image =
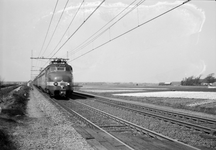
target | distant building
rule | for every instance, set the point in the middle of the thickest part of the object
(212, 85)
(205, 84)
(165, 83)
(176, 83)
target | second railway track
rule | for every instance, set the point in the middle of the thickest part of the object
(129, 134)
(205, 125)
(197, 131)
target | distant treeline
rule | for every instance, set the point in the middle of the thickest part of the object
(7, 85)
(3, 85)
(198, 81)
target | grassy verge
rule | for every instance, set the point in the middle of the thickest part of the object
(13, 109)
(5, 141)
(4, 92)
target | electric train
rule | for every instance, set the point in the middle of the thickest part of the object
(56, 79)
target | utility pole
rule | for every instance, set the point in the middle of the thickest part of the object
(31, 64)
(67, 55)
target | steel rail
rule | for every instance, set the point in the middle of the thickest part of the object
(171, 113)
(175, 121)
(153, 134)
(70, 111)
(181, 115)
(138, 128)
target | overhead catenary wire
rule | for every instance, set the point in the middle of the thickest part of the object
(65, 31)
(56, 26)
(82, 44)
(79, 27)
(49, 26)
(68, 27)
(138, 26)
(86, 42)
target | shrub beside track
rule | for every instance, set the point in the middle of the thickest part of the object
(13, 108)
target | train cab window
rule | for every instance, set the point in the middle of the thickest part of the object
(61, 69)
(52, 69)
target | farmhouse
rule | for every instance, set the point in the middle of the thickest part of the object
(165, 83)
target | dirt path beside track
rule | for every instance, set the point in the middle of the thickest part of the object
(45, 127)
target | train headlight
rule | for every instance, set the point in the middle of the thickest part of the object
(56, 83)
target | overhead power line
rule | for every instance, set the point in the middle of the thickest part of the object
(86, 42)
(49, 26)
(56, 26)
(133, 29)
(68, 26)
(79, 27)
(105, 25)
(65, 30)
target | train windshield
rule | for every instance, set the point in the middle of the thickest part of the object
(60, 68)
(53, 69)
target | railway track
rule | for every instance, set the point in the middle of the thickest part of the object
(94, 135)
(204, 125)
(127, 134)
(123, 135)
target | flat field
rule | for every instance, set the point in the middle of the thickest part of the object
(195, 98)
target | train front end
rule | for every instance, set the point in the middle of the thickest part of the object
(60, 79)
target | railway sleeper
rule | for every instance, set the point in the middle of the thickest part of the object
(108, 126)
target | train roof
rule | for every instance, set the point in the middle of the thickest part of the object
(58, 61)
(55, 62)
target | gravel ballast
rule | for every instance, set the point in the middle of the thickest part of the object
(47, 128)
(168, 129)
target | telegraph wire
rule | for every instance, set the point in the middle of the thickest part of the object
(82, 45)
(90, 41)
(49, 26)
(56, 26)
(133, 29)
(80, 26)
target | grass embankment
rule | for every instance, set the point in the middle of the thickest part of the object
(5, 91)
(13, 107)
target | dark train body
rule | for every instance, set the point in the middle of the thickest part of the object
(56, 79)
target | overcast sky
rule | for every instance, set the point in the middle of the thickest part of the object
(177, 45)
